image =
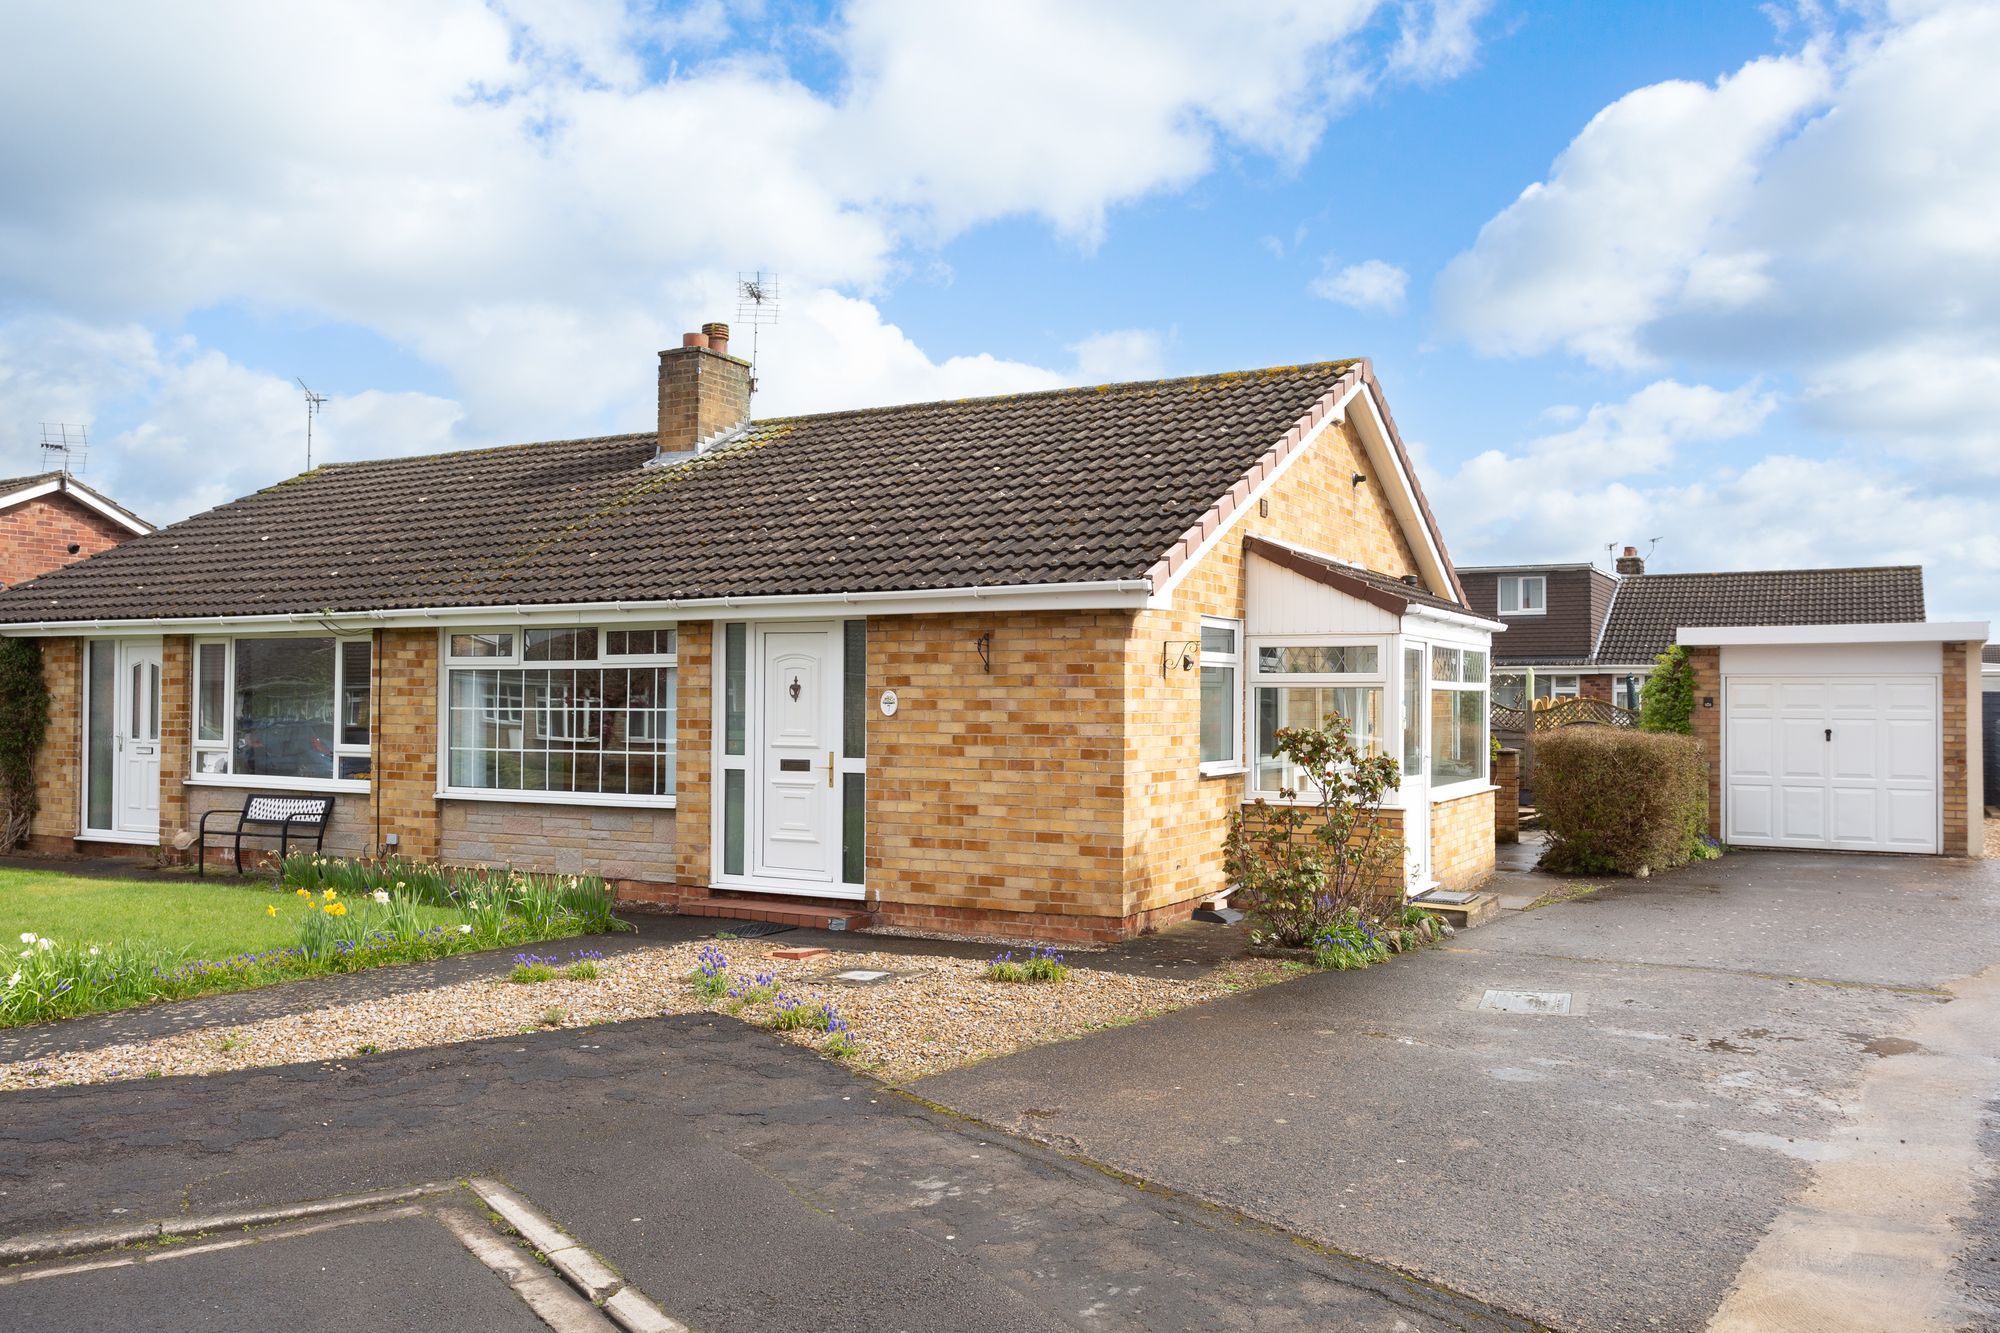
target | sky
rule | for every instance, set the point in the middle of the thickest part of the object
(1717, 280)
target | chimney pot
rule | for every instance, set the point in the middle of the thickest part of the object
(1630, 563)
(718, 337)
(693, 340)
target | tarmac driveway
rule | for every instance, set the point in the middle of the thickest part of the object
(1764, 1107)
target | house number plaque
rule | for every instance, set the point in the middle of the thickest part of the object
(888, 703)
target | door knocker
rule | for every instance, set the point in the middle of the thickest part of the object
(795, 689)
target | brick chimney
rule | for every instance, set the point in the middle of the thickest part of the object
(704, 391)
(1631, 563)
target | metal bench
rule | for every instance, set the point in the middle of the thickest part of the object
(289, 819)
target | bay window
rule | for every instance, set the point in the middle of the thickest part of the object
(1299, 684)
(291, 708)
(1459, 748)
(1221, 695)
(579, 710)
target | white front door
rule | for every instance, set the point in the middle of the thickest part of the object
(122, 740)
(1828, 761)
(1416, 794)
(797, 811)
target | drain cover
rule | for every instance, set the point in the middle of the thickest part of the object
(1526, 1001)
(753, 930)
(860, 976)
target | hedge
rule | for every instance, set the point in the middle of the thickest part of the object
(1618, 800)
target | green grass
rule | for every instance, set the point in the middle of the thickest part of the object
(213, 920)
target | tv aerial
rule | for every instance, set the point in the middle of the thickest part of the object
(756, 305)
(314, 402)
(65, 446)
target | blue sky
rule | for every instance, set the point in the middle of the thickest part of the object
(1717, 274)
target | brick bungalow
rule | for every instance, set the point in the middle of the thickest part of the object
(1002, 664)
(52, 519)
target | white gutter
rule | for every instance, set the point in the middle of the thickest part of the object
(1104, 594)
(1443, 616)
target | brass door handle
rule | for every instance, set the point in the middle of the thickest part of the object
(829, 768)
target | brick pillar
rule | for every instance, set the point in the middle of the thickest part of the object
(1596, 687)
(404, 744)
(59, 763)
(1957, 781)
(1707, 665)
(176, 739)
(1507, 801)
(694, 735)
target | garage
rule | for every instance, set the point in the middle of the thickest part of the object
(1841, 737)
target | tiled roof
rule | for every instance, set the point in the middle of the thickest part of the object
(1073, 485)
(1650, 608)
(8, 485)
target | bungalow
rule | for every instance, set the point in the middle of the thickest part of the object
(996, 665)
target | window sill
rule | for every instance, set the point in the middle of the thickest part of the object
(1461, 789)
(1224, 770)
(1509, 615)
(558, 798)
(264, 782)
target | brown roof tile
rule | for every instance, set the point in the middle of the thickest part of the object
(1650, 608)
(1073, 485)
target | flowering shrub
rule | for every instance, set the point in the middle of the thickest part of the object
(1348, 943)
(530, 968)
(1041, 964)
(711, 974)
(544, 905)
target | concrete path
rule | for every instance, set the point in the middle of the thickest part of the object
(743, 1183)
(1771, 1080)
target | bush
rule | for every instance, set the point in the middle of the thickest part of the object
(1666, 700)
(1040, 965)
(1620, 801)
(1304, 868)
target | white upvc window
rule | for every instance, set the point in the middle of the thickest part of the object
(1221, 695)
(1524, 594)
(1297, 681)
(1460, 752)
(1558, 687)
(291, 710)
(581, 712)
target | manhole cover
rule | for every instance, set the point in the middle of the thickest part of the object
(1526, 1001)
(861, 976)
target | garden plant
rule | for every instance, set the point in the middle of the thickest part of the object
(1319, 863)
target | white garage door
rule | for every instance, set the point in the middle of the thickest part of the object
(1831, 761)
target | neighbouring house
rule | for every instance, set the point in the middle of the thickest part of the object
(1989, 673)
(52, 519)
(1834, 714)
(1003, 665)
(1575, 631)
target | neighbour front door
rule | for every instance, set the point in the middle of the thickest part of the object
(122, 740)
(797, 813)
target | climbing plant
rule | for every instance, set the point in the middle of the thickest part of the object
(24, 721)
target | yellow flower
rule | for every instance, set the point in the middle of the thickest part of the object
(328, 894)
(304, 894)
(336, 909)
(311, 906)
(270, 911)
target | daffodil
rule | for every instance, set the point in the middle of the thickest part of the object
(27, 937)
(311, 906)
(305, 893)
(381, 895)
(270, 911)
(465, 930)
(94, 951)
(328, 894)
(45, 943)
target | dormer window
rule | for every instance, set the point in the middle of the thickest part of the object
(1524, 595)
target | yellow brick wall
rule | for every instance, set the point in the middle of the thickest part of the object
(1507, 800)
(1957, 778)
(403, 754)
(997, 791)
(1175, 819)
(1462, 854)
(693, 739)
(176, 723)
(1707, 667)
(59, 764)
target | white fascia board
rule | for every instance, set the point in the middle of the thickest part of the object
(1109, 594)
(1952, 631)
(1374, 435)
(1164, 596)
(1459, 619)
(83, 495)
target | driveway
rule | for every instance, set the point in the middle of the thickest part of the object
(740, 1182)
(1767, 1104)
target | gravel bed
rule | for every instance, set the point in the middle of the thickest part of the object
(1993, 835)
(932, 1013)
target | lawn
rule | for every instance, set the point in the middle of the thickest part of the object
(209, 920)
(76, 945)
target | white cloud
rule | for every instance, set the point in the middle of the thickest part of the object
(1665, 463)
(1373, 284)
(519, 195)
(1437, 40)
(1119, 354)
